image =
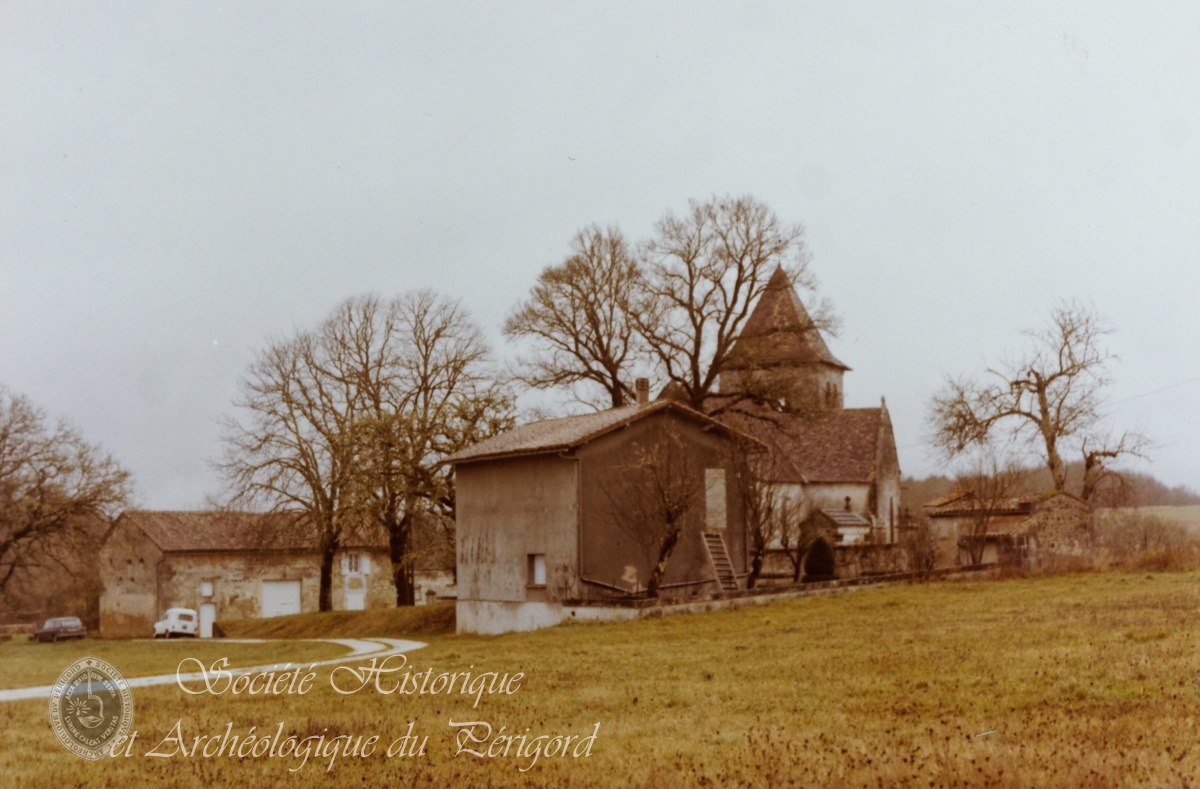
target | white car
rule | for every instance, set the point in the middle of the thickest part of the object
(177, 622)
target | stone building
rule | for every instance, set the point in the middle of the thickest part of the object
(1047, 528)
(787, 391)
(226, 565)
(568, 510)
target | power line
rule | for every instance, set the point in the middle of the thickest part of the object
(1166, 388)
(1157, 391)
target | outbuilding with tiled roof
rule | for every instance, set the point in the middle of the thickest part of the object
(228, 565)
(1052, 527)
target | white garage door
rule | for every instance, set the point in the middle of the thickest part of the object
(280, 598)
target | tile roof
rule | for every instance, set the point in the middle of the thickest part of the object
(225, 531)
(844, 518)
(964, 503)
(942, 501)
(555, 435)
(838, 445)
(779, 332)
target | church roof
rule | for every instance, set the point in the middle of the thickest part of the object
(837, 445)
(780, 332)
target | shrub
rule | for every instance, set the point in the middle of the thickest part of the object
(1141, 541)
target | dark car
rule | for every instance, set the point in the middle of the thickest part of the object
(60, 628)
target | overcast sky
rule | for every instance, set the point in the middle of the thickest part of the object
(179, 182)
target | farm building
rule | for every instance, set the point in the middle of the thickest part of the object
(232, 565)
(1031, 530)
(572, 509)
(534, 530)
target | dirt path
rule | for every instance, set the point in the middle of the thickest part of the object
(360, 649)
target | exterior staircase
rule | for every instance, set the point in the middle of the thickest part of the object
(722, 565)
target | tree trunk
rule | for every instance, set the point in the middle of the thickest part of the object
(1047, 425)
(398, 532)
(976, 546)
(660, 567)
(1054, 461)
(755, 570)
(1093, 471)
(325, 595)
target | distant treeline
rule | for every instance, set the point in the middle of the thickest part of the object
(1128, 489)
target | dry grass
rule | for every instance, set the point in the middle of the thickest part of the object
(1075, 680)
(25, 663)
(393, 622)
(1187, 516)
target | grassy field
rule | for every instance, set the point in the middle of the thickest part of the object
(25, 663)
(1081, 680)
(413, 622)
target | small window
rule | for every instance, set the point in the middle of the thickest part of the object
(206, 589)
(536, 571)
(352, 563)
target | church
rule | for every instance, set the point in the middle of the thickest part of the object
(839, 464)
(542, 536)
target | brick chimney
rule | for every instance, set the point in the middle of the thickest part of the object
(642, 385)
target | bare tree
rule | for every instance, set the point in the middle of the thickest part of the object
(54, 488)
(577, 319)
(437, 400)
(763, 507)
(759, 505)
(990, 483)
(289, 451)
(797, 533)
(919, 545)
(348, 424)
(703, 274)
(651, 497)
(1049, 398)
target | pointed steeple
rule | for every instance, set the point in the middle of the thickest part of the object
(780, 333)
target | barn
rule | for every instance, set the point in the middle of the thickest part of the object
(572, 510)
(226, 565)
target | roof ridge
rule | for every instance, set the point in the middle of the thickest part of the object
(549, 435)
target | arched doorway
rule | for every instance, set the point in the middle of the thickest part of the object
(819, 562)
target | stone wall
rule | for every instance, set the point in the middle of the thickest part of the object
(129, 565)
(1063, 528)
(887, 481)
(237, 578)
(857, 561)
(139, 582)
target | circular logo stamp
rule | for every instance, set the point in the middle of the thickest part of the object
(91, 708)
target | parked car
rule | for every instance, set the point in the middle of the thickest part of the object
(177, 622)
(60, 628)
